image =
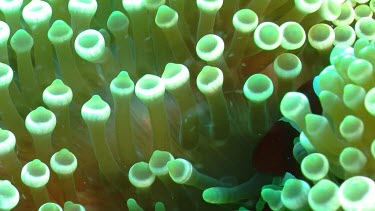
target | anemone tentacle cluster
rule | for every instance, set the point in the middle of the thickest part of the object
(165, 104)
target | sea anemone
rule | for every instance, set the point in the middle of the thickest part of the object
(174, 105)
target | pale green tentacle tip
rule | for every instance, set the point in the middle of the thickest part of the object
(95, 110)
(7, 142)
(287, 66)
(4, 32)
(90, 45)
(158, 162)
(211, 6)
(153, 4)
(352, 128)
(372, 148)
(210, 80)
(315, 166)
(356, 192)
(83, 7)
(40, 121)
(294, 103)
(370, 101)
(295, 193)
(352, 160)
(268, 36)
(60, 32)
(365, 28)
(50, 206)
(175, 75)
(133, 5)
(212, 196)
(133, 205)
(150, 88)
(372, 5)
(35, 174)
(140, 175)
(346, 16)
(245, 20)
(57, 95)
(122, 85)
(117, 22)
(258, 88)
(70, 206)
(324, 196)
(36, 12)
(273, 198)
(315, 124)
(21, 41)
(308, 6)
(159, 206)
(166, 17)
(10, 5)
(63, 162)
(180, 170)
(321, 36)
(6, 75)
(363, 11)
(9, 196)
(210, 47)
(293, 35)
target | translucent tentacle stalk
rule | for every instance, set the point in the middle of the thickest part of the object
(12, 12)
(150, 90)
(244, 21)
(4, 36)
(177, 81)
(162, 54)
(122, 89)
(118, 24)
(40, 123)
(8, 156)
(90, 46)
(22, 43)
(287, 67)
(295, 106)
(258, 88)
(141, 177)
(60, 34)
(81, 14)
(10, 115)
(95, 113)
(64, 163)
(37, 15)
(247, 190)
(208, 10)
(183, 172)
(140, 33)
(210, 82)
(167, 19)
(258, 6)
(58, 97)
